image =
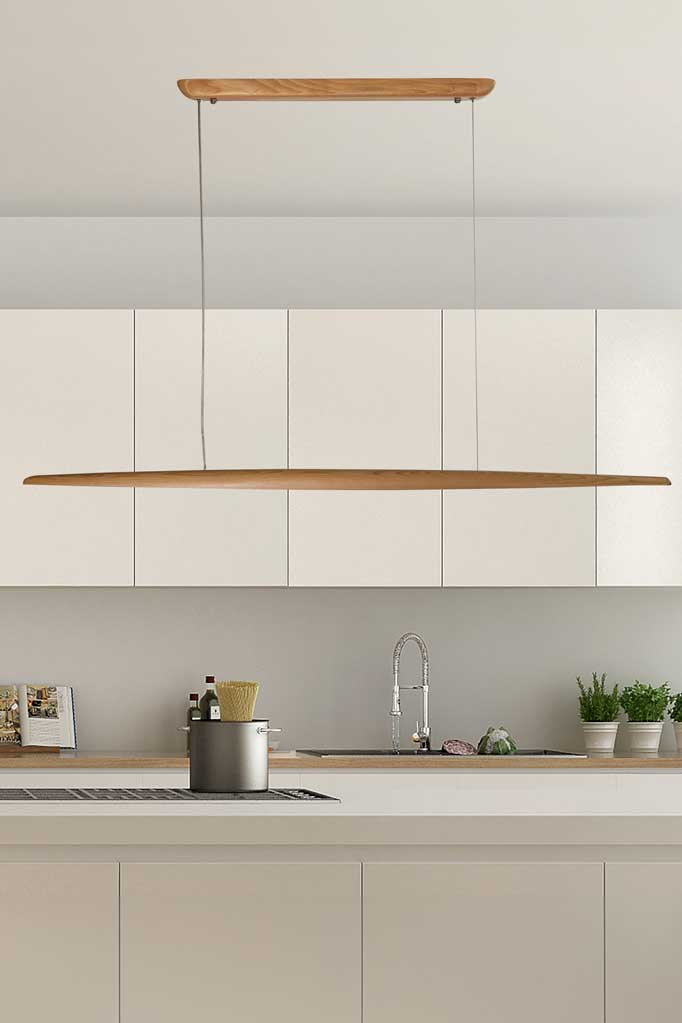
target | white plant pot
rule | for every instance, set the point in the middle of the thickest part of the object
(678, 735)
(645, 737)
(600, 737)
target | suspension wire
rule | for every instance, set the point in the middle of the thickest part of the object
(474, 267)
(203, 286)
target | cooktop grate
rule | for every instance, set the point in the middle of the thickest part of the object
(159, 795)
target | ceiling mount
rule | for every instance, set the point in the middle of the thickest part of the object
(231, 89)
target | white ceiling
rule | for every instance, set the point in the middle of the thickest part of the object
(585, 119)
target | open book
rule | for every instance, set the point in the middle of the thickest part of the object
(37, 715)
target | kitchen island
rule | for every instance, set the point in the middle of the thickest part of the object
(398, 901)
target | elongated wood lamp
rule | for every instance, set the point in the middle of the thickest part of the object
(330, 89)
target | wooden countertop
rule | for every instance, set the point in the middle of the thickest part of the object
(124, 761)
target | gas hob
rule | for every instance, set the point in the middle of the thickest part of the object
(160, 795)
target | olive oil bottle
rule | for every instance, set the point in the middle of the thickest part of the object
(208, 704)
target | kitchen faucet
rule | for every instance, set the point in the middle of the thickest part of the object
(422, 736)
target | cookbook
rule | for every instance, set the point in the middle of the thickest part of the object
(37, 714)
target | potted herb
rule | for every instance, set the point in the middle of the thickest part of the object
(599, 710)
(645, 706)
(676, 715)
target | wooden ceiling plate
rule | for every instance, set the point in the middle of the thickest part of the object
(335, 88)
(343, 479)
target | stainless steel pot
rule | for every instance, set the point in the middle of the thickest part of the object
(229, 756)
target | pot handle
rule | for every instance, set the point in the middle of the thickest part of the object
(182, 728)
(262, 730)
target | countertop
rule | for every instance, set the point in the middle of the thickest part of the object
(83, 759)
(104, 824)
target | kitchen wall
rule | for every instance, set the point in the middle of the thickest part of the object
(324, 656)
(337, 262)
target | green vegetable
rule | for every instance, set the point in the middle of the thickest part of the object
(596, 704)
(676, 707)
(496, 742)
(644, 702)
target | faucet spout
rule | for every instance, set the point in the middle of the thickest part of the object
(422, 736)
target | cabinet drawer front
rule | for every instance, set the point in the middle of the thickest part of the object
(515, 941)
(59, 941)
(252, 941)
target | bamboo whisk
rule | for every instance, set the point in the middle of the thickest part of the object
(237, 700)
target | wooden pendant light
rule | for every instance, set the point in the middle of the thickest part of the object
(330, 89)
(343, 479)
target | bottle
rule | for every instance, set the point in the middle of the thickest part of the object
(208, 704)
(193, 713)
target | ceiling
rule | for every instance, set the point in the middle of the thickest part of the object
(585, 119)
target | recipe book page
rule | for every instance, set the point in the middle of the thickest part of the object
(47, 716)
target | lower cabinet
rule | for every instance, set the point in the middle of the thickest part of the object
(241, 941)
(643, 941)
(341, 942)
(59, 942)
(520, 942)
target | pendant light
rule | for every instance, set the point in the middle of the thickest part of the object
(330, 89)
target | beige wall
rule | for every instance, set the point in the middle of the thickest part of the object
(341, 262)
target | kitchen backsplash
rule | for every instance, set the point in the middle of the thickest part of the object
(323, 656)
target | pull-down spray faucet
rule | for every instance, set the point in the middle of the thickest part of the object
(422, 737)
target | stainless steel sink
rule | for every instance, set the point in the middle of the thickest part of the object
(424, 753)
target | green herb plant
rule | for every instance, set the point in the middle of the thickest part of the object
(644, 702)
(595, 702)
(676, 707)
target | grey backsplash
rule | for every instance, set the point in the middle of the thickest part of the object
(323, 656)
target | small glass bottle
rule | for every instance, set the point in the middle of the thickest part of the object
(208, 704)
(193, 714)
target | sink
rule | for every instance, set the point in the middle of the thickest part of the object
(422, 754)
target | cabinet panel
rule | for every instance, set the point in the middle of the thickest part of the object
(365, 393)
(212, 537)
(256, 941)
(643, 936)
(360, 538)
(364, 388)
(639, 409)
(536, 392)
(66, 391)
(516, 941)
(59, 941)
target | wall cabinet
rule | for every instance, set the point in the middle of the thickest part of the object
(320, 388)
(525, 403)
(364, 392)
(252, 941)
(514, 941)
(643, 936)
(639, 430)
(59, 941)
(66, 390)
(210, 537)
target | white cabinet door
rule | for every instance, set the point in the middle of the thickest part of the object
(639, 431)
(520, 942)
(533, 380)
(241, 941)
(643, 937)
(65, 406)
(59, 942)
(211, 537)
(364, 390)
